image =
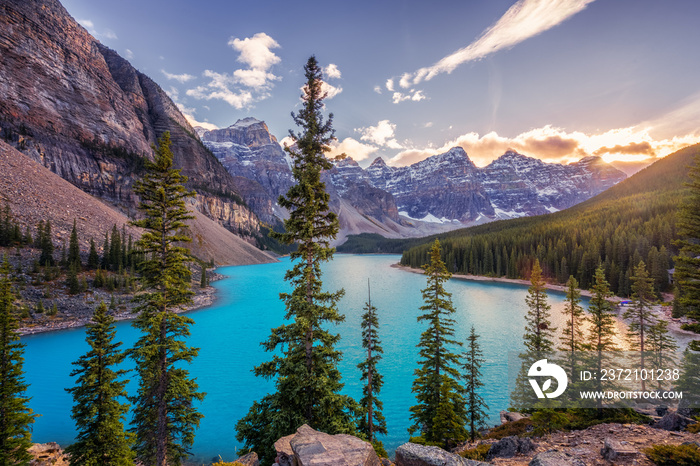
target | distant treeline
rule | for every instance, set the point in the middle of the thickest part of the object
(630, 222)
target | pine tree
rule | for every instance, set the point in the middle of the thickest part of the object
(372, 421)
(203, 279)
(74, 249)
(572, 338)
(47, 248)
(640, 314)
(602, 326)
(72, 282)
(15, 416)
(539, 334)
(435, 385)
(105, 253)
(164, 414)
(661, 347)
(687, 275)
(93, 259)
(97, 412)
(307, 379)
(475, 404)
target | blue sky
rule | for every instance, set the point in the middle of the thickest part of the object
(553, 79)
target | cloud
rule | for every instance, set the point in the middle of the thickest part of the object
(256, 51)
(382, 134)
(330, 90)
(244, 86)
(378, 89)
(631, 148)
(413, 95)
(89, 25)
(183, 78)
(352, 148)
(128, 54)
(188, 113)
(332, 72)
(390, 85)
(525, 19)
(551, 144)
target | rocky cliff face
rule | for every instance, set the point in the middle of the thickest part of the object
(84, 112)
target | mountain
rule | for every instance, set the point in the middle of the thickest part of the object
(630, 222)
(440, 193)
(79, 109)
(35, 193)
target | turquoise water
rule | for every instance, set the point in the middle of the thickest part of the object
(229, 335)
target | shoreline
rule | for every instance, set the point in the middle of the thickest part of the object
(203, 297)
(682, 337)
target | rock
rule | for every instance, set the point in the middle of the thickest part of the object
(285, 454)
(251, 459)
(386, 462)
(661, 410)
(46, 454)
(510, 416)
(614, 450)
(508, 447)
(412, 454)
(673, 421)
(309, 447)
(555, 458)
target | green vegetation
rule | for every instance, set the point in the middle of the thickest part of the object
(630, 222)
(307, 379)
(477, 453)
(539, 333)
(475, 404)
(372, 421)
(15, 416)
(674, 455)
(97, 412)
(687, 276)
(439, 416)
(164, 413)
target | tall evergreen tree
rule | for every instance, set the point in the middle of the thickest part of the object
(661, 347)
(539, 333)
(105, 252)
(97, 412)
(572, 340)
(687, 275)
(164, 413)
(640, 315)
(47, 247)
(372, 421)
(476, 406)
(436, 386)
(602, 326)
(307, 379)
(93, 258)
(15, 416)
(74, 249)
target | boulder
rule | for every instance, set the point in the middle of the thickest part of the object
(309, 447)
(508, 447)
(45, 454)
(510, 416)
(673, 421)
(412, 454)
(615, 451)
(251, 459)
(555, 458)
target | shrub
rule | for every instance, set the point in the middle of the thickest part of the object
(477, 454)
(521, 428)
(674, 455)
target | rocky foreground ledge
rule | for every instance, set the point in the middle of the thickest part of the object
(604, 444)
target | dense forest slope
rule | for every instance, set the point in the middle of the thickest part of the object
(632, 221)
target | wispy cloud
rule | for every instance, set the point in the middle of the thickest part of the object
(128, 54)
(183, 78)
(332, 72)
(352, 148)
(525, 19)
(413, 95)
(244, 86)
(89, 25)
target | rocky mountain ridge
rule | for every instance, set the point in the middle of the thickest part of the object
(88, 115)
(442, 192)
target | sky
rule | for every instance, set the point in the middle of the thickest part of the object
(554, 79)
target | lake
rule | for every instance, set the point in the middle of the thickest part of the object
(248, 306)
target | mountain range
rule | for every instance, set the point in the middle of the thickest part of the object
(443, 192)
